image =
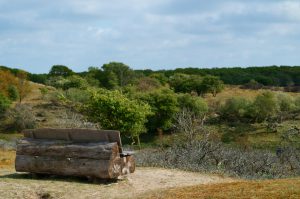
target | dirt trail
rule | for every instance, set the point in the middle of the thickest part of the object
(14, 185)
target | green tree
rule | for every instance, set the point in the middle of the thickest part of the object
(160, 77)
(117, 74)
(60, 70)
(75, 81)
(164, 105)
(212, 84)
(113, 110)
(186, 83)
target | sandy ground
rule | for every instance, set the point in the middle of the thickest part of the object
(13, 185)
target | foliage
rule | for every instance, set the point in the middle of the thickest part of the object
(116, 74)
(196, 105)
(44, 91)
(212, 84)
(66, 83)
(74, 81)
(265, 106)
(60, 70)
(252, 84)
(113, 110)
(13, 92)
(4, 104)
(186, 83)
(160, 77)
(38, 78)
(163, 104)
(285, 102)
(146, 84)
(297, 103)
(235, 109)
(77, 95)
(7, 79)
(268, 75)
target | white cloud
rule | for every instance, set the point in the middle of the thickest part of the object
(165, 33)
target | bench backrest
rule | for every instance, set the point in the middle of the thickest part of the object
(75, 135)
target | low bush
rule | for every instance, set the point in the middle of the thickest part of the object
(19, 118)
(4, 104)
(210, 156)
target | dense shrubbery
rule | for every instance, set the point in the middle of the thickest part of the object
(195, 83)
(267, 106)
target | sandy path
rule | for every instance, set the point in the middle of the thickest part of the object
(143, 180)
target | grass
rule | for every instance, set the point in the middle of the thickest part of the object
(275, 189)
(235, 91)
(10, 136)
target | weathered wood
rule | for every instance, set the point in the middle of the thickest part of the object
(75, 135)
(104, 151)
(73, 152)
(107, 169)
(128, 165)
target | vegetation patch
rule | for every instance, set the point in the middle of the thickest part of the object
(269, 189)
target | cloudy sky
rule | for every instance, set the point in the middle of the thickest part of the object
(156, 34)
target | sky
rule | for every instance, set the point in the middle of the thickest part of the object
(148, 34)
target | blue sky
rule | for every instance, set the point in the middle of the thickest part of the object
(156, 34)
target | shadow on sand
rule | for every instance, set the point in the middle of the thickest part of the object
(47, 177)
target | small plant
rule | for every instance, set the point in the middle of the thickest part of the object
(44, 91)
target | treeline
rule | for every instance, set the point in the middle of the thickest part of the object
(266, 76)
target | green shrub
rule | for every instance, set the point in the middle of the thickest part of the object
(265, 106)
(75, 81)
(235, 109)
(297, 103)
(286, 102)
(76, 95)
(4, 104)
(13, 93)
(195, 104)
(44, 91)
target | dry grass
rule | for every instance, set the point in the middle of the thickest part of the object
(270, 189)
(235, 91)
(7, 159)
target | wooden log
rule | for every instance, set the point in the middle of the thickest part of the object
(106, 169)
(52, 148)
(76, 135)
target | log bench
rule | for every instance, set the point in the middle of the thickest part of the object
(73, 152)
